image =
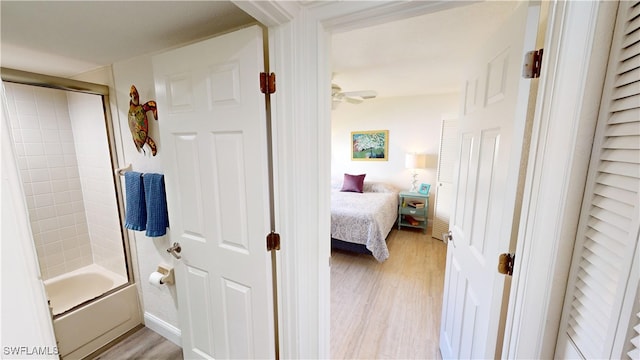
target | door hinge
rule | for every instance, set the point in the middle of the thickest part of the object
(273, 241)
(532, 64)
(267, 83)
(505, 263)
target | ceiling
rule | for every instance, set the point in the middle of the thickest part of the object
(420, 55)
(66, 38)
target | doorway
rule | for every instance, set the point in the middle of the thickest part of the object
(412, 112)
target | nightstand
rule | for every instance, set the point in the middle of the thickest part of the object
(413, 209)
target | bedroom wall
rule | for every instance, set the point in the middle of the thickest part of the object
(414, 126)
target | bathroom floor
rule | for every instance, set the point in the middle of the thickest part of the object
(144, 344)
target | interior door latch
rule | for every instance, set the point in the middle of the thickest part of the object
(505, 263)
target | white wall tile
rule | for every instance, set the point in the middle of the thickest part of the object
(26, 108)
(42, 187)
(36, 162)
(50, 136)
(31, 136)
(46, 212)
(31, 149)
(43, 200)
(38, 175)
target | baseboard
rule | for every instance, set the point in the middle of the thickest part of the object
(163, 328)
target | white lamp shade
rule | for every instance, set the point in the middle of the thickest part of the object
(411, 161)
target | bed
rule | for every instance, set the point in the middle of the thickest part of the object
(361, 221)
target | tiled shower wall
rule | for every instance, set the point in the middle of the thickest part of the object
(63, 155)
(96, 177)
(46, 156)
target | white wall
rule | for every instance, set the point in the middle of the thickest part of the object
(160, 303)
(414, 126)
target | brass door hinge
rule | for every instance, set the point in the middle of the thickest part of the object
(267, 83)
(273, 241)
(532, 64)
(505, 263)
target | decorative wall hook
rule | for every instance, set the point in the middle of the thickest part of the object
(138, 121)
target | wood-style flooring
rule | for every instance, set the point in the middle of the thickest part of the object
(388, 310)
(144, 344)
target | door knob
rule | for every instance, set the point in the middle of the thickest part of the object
(175, 250)
(448, 237)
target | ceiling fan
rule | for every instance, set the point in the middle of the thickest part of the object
(353, 97)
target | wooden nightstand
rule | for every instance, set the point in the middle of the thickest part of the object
(410, 216)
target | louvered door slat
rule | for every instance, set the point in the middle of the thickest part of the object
(629, 64)
(627, 183)
(626, 103)
(616, 194)
(625, 129)
(629, 89)
(592, 320)
(635, 340)
(614, 206)
(631, 51)
(633, 13)
(580, 336)
(628, 116)
(611, 218)
(622, 142)
(596, 244)
(628, 77)
(627, 156)
(603, 240)
(589, 321)
(605, 269)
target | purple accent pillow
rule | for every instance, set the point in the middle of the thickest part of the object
(353, 183)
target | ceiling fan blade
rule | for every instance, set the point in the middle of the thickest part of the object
(353, 100)
(365, 94)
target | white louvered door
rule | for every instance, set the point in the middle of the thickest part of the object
(600, 312)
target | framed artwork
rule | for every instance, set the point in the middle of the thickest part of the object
(370, 145)
(424, 188)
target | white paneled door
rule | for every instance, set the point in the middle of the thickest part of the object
(446, 164)
(213, 143)
(490, 140)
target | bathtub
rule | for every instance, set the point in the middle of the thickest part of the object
(85, 320)
(79, 286)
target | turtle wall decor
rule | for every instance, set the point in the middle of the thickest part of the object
(138, 121)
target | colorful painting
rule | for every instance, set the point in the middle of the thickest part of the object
(370, 145)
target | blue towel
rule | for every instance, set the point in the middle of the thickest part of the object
(136, 217)
(157, 217)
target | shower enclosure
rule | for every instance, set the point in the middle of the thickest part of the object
(64, 146)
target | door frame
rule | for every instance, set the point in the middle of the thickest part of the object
(574, 65)
(299, 43)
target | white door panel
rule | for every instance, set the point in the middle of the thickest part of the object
(444, 193)
(213, 132)
(490, 144)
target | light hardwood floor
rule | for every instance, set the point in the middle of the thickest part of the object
(144, 344)
(388, 310)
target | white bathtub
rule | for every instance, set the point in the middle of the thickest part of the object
(89, 327)
(81, 285)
